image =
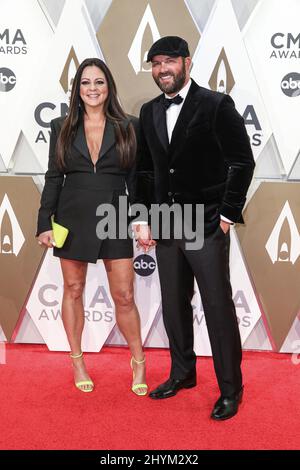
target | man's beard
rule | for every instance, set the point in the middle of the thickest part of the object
(176, 85)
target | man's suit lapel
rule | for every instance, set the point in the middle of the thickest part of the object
(160, 124)
(107, 142)
(186, 115)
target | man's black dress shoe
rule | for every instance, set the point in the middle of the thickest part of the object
(171, 387)
(226, 407)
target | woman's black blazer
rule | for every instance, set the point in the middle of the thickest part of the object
(74, 194)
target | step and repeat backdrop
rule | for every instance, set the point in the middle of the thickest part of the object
(249, 49)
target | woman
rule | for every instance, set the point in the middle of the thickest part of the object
(92, 161)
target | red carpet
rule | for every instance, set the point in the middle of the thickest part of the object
(41, 409)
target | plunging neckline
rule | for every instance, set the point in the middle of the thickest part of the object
(101, 144)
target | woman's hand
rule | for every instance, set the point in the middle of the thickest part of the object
(46, 239)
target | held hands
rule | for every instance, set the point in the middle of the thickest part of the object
(46, 239)
(225, 226)
(142, 234)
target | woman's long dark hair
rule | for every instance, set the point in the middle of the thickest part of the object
(125, 136)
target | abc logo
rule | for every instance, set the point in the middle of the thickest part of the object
(144, 265)
(290, 84)
(7, 79)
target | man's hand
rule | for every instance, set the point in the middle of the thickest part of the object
(142, 234)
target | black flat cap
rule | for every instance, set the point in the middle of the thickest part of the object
(172, 46)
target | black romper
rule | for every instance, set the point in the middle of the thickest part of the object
(74, 194)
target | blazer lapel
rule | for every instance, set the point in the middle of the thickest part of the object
(80, 141)
(160, 123)
(186, 115)
(109, 138)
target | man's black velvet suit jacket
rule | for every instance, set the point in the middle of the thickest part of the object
(209, 159)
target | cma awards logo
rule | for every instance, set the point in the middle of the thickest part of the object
(146, 34)
(144, 265)
(12, 42)
(222, 80)
(47, 108)
(285, 46)
(283, 245)
(11, 235)
(69, 71)
(99, 308)
(243, 310)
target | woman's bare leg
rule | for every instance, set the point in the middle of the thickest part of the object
(120, 277)
(74, 274)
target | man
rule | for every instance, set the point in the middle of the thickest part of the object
(194, 149)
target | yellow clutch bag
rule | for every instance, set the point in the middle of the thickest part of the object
(60, 233)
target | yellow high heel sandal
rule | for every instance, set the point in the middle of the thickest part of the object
(82, 383)
(135, 387)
